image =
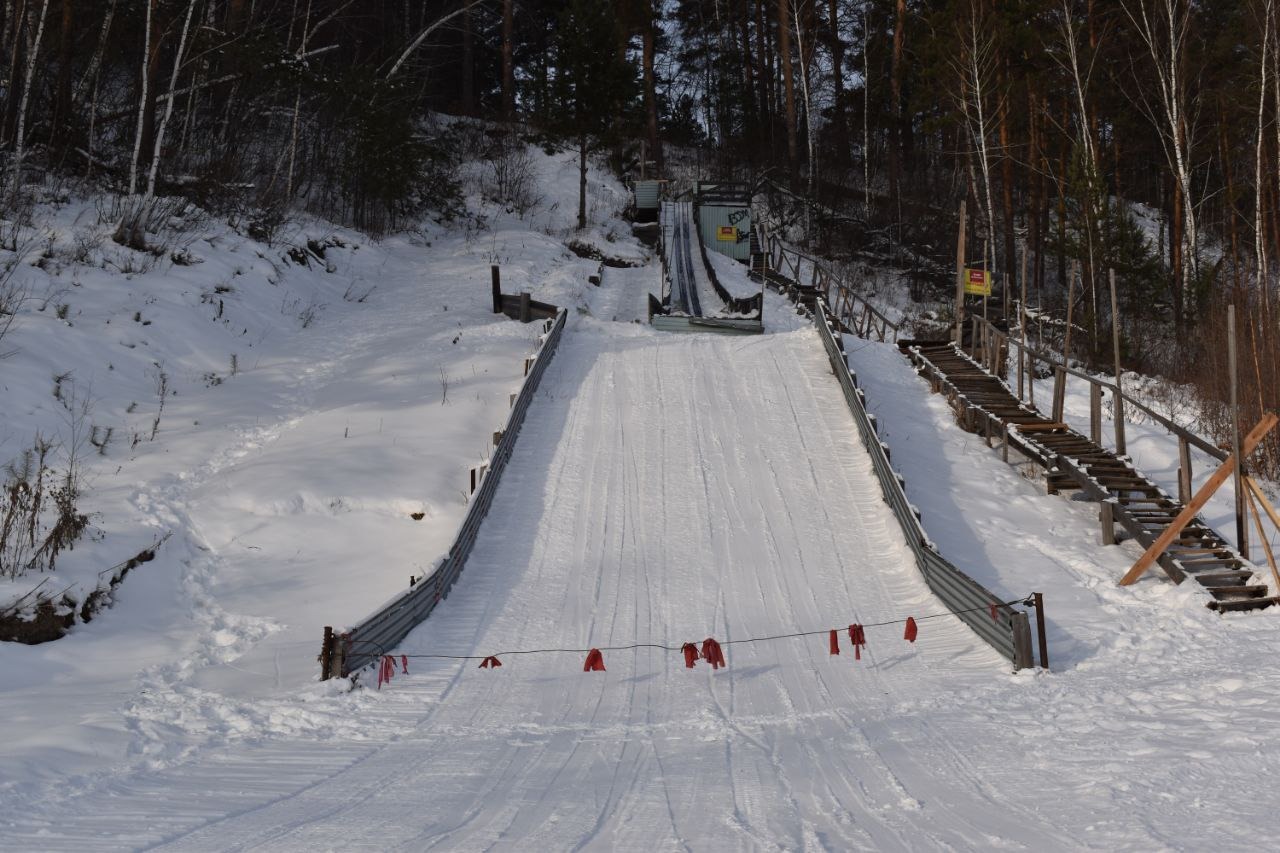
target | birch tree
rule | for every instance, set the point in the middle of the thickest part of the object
(1163, 27)
(33, 53)
(168, 107)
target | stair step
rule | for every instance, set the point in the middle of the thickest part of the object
(1237, 593)
(1243, 604)
(1232, 578)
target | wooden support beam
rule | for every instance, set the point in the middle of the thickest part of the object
(1224, 472)
(1262, 500)
(1263, 541)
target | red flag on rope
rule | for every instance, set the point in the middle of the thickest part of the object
(835, 642)
(386, 670)
(910, 634)
(712, 653)
(491, 662)
(594, 662)
(858, 638)
(404, 664)
(995, 615)
(690, 655)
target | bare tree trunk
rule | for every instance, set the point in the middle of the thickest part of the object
(764, 79)
(143, 94)
(168, 106)
(895, 107)
(1164, 27)
(808, 117)
(468, 66)
(508, 69)
(839, 124)
(650, 88)
(784, 57)
(582, 181)
(20, 135)
(1259, 241)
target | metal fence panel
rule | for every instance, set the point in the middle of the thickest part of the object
(380, 632)
(1008, 633)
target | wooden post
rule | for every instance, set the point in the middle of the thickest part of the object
(1004, 437)
(1071, 305)
(1040, 631)
(1118, 414)
(1242, 526)
(1266, 546)
(1022, 323)
(1225, 470)
(1107, 517)
(1184, 470)
(338, 656)
(497, 288)
(524, 308)
(1262, 499)
(326, 654)
(1095, 413)
(1059, 392)
(960, 276)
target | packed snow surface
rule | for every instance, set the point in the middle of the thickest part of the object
(664, 488)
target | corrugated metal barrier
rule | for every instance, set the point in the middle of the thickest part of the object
(360, 646)
(1009, 632)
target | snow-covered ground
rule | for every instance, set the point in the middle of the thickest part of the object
(664, 488)
(289, 486)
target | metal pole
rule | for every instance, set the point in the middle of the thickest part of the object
(1040, 632)
(1115, 347)
(960, 277)
(1242, 526)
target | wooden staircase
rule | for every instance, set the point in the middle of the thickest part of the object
(1071, 461)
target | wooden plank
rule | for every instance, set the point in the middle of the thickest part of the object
(1043, 427)
(1197, 503)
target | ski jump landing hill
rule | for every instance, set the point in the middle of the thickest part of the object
(681, 370)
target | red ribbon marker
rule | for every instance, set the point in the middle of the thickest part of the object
(712, 653)
(386, 670)
(858, 638)
(690, 655)
(995, 616)
(404, 664)
(594, 662)
(910, 634)
(490, 662)
(835, 642)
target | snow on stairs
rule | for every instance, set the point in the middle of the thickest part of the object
(984, 404)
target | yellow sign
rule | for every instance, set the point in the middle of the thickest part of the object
(977, 282)
(727, 234)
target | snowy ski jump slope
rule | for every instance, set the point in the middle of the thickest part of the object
(670, 487)
(665, 488)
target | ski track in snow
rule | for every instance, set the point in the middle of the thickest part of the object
(667, 487)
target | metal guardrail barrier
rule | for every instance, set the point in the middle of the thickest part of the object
(362, 645)
(1009, 632)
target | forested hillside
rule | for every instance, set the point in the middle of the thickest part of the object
(1136, 135)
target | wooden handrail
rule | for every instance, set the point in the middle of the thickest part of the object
(783, 251)
(1178, 430)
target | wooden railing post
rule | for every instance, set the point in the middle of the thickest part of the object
(1095, 413)
(1118, 416)
(1059, 392)
(497, 288)
(1107, 517)
(1184, 470)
